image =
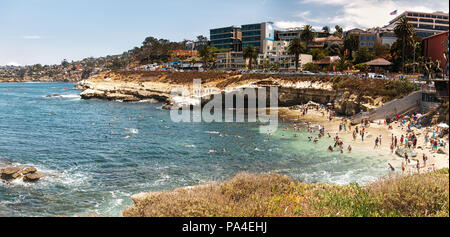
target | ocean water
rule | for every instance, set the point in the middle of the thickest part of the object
(105, 151)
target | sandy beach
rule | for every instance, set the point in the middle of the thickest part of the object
(321, 117)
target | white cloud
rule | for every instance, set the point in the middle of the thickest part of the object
(32, 37)
(365, 13)
(289, 24)
(294, 24)
(16, 64)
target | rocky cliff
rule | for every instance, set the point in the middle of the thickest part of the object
(138, 86)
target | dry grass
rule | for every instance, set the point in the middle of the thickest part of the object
(249, 195)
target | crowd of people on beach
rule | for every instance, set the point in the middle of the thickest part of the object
(403, 145)
(408, 141)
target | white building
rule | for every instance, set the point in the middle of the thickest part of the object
(278, 55)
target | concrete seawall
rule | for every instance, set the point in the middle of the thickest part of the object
(398, 106)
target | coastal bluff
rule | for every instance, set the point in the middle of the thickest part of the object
(349, 95)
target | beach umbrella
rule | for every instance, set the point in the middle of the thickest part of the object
(443, 125)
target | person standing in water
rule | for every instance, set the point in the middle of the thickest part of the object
(391, 167)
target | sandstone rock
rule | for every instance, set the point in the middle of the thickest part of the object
(9, 173)
(10, 170)
(167, 107)
(90, 93)
(122, 97)
(378, 101)
(440, 151)
(53, 95)
(16, 175)
(33, 177)
(30, 170)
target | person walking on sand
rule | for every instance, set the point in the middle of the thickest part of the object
(381, 138)
(392, 148)
(418, 167)
(376, 142)
(406, 158)
(425, 158)
(403, 167)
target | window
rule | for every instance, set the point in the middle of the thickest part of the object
(362, 37)
(251, 27)
(426, 20)
(363, 44)
(425, 26)
(221, 36)
(442, 22)
(370, 44)
(441, 27)
(257, 38)
(251, 33)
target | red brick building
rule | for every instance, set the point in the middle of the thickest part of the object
(435, 46)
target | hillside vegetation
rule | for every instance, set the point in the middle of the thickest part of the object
(248, 195)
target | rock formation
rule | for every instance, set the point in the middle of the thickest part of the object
(16, 172)
(138, 86)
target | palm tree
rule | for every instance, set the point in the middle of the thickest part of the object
(403, 30)
(193, 61)
(342, 64)
(205, 55)
(351, 43)
(326, 29)
(251, 54)
(296, 47)
(339, 31)
(307, 34)
(285, 62)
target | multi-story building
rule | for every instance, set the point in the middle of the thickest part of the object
(278, 54)
(387, 37)
(325, 41)
(425, 24)
(228, 38)
(436, 47)
(384, 35)
(288, 34)
(260, 36)
(230, 60)
(183, 53)
(367, 39)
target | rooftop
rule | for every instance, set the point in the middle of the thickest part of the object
(379, 62)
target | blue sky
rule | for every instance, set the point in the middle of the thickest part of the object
(48, 31)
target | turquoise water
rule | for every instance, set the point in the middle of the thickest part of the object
(105, 151)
